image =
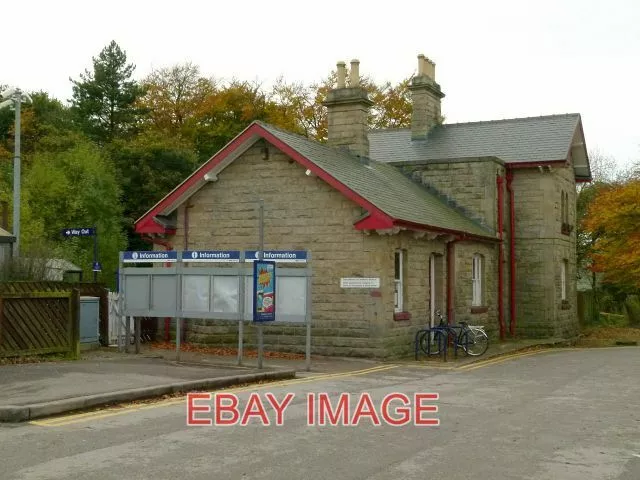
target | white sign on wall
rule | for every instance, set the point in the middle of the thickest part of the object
(358, 282)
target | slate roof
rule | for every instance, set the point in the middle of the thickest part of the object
(532, 139)
(383, 185)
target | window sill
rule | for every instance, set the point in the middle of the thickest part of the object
(398, 316)
(479, 309)
(565, 305)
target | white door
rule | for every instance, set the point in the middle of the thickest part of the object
(432, 288)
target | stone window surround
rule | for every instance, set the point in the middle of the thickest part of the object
(478, 284)
(565, 227)
(563, 280)
(398, 280)
(399, 263)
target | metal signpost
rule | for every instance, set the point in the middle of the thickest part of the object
(14, 97)
(87, 232)
(255, 286)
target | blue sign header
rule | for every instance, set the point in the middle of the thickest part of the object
(280, 256)
(211, 256)
(148, 257)
(78, 232)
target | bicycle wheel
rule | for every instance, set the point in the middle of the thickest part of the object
(430, 342)
(474, 342)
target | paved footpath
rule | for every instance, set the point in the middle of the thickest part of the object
(554, 415)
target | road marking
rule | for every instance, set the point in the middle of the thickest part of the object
(497, 360)
(99, 414)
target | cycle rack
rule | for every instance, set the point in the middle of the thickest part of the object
(444, 329)
(427, 331)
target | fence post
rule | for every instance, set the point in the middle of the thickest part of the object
(127, 334)
(74, 317)
(138, 332)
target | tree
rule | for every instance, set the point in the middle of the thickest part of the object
(226, 112)
(77, 186)
(174, 97)
(299, 108)
(603, 173)
(148, 166)
(613, 219)
(104, 100)
(392, 105)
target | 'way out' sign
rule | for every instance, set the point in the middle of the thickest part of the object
(78, 232)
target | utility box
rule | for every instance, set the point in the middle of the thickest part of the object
(89, 322)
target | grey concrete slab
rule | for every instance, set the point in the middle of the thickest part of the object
(42, 382)
(557, 415)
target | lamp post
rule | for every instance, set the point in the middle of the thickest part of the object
(14, 97)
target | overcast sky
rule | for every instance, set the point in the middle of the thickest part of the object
(494, 59)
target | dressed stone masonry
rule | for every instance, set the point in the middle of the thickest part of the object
(473, 219)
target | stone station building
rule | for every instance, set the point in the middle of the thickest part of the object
(473, 219)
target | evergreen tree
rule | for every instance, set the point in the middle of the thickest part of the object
(104, 100)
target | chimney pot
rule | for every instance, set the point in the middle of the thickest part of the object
(426, 96)
(342, 74)
(430, 69)
(421, 65)
(354, 79)
(348, 112)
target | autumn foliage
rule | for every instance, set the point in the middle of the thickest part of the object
(614, 219)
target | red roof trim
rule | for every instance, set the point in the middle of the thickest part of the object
(461, 235)
(147, 225)
(374, 222)
(513, 165)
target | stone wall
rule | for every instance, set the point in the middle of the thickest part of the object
(487, 313)
(540, 249)
(469, 185)
(303, 212)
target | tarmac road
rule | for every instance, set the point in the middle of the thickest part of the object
(555, 415)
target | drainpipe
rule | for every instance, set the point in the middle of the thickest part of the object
(183, 326)
(167, 246)
(499, 183)
(450, 278)
(512, 255)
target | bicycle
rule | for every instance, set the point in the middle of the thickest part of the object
(471, 338)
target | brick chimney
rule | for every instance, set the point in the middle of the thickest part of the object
(426, 96)
(348, 112)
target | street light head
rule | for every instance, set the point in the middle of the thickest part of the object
(26, 97)
(8, 93)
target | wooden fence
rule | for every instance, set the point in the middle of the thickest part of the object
(40, 322)
(86, 289)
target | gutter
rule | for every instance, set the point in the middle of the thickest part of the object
(512, 255)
